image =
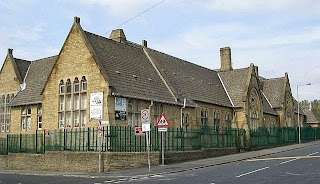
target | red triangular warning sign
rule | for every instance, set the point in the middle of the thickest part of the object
(162, 121)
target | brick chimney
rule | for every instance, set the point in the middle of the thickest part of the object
(225, 57)
(118, 35)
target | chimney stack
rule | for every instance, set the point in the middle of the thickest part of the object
(10, 51)
(225, 56)
(76, 20)
(144, 43)
(118, 35)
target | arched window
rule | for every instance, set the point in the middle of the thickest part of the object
(76, 85)
(216, 121)
(61, 87)
(68, 84)
(254, 110)
(204, 117)
(83, 84)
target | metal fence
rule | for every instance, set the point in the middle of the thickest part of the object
(274, 136)
(126, 139)
(25, 143)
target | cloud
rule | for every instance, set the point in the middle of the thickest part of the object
(275, 6)
(122, 8)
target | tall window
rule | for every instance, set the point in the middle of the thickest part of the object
(186, 121)
(26, 118)
(134, 113)
(204, 117)
(254, 110)
(216, 121)
(228, 120)
(5, 112)
(158, 109)
(73, 103)
(39, 117)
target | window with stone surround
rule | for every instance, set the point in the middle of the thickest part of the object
(26, 118)
(204, 117)
(5, 112)
(216, 120)
(254, 107)
(228, 120)
(158, 109)
(73, 103)
(39, 113)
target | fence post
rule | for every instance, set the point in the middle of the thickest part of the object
(20, 143)
(36, 141)
(7, 143)
(44, 141)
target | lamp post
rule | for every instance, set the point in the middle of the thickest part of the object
(299, 124)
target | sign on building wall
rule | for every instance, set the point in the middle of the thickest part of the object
(120, 108)
(96, 105)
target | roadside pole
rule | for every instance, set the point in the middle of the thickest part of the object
(162, 125)
(145, 119)
(100, 143)
(162, 148)
(148, 148)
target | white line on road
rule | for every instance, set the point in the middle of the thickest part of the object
(252, 172)
(313, 153)
(288, 161)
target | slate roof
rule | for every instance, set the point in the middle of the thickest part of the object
(295, 104)
(22, 66)
(36, 78)
(312, 116)
(273, 89)
(267, 107)
(129, 70)
(190, 80)
(235, 82)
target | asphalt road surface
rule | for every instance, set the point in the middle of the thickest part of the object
(296, 166)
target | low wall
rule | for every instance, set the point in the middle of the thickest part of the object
(88, 161)
(183, 156)
(75, 161)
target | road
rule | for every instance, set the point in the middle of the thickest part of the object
(295, 166)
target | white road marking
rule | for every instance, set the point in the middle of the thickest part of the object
(252, 172)
(313, 153)
(288, 161)
(110, 181)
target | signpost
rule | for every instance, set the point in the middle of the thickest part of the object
(145, 119)
(162, 125)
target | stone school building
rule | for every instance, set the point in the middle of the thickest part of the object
(57, 92)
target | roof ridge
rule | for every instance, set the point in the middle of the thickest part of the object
(49, 57)
(127, 43)
(21, 59)
(277, 78)
(233, 69)
(181, 59)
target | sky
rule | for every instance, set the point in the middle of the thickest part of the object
(278, 36)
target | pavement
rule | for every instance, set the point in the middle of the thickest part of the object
(171, 168)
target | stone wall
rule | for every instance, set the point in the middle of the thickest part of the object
(176, 157)
(75, 161)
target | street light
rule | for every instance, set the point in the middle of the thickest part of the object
(299, 124)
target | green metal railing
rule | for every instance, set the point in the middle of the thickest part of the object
(125, 139)
(274, 136)
(3, 146)
(25, 143)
